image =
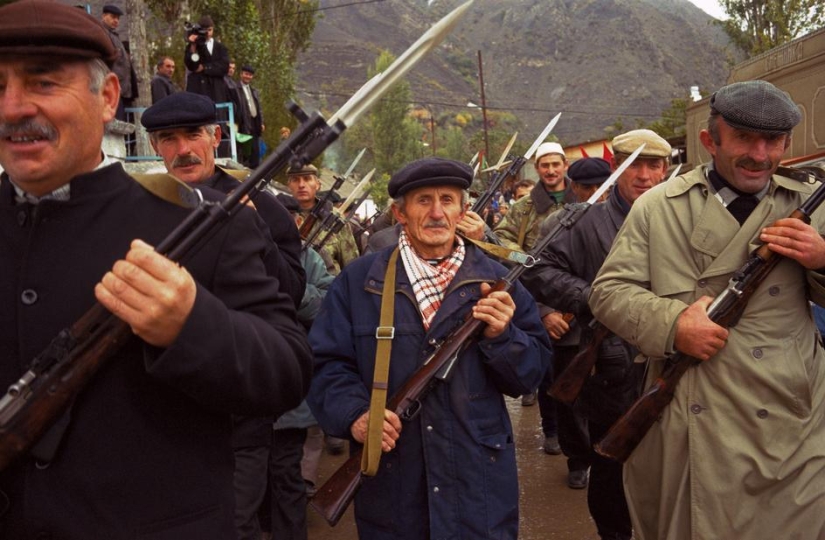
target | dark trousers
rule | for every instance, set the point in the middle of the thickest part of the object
(572, 426)
(605, 492)
(547, 406)
(288, 516)
(250, 487)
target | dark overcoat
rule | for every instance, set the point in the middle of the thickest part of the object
(147, 451)
(453, 473)
(208, 82)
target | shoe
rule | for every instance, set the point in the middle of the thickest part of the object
(528, 400)
(551, 446)
(577, 479)
(335, 446)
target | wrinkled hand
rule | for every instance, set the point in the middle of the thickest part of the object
(555, 324)
(496, 309)
(796, 240)
(696, 334)
(153, 295)
(392, 429)
(471, 225)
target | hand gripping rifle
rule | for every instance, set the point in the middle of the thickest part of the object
(568, 384)
(332, 499)
(628, 431)
(34, 403)
(512, 169)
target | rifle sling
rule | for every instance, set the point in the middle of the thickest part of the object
(384, 335)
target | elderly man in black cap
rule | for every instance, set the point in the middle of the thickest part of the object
(207, 62)
(562, 280)
(122, 66)
(738, 452)
(450, 472)
(145, 449)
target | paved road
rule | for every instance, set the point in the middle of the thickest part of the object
(549, 509)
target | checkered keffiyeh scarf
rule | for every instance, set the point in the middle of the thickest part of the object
(429, 281)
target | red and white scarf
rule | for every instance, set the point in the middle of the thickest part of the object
(429, 282)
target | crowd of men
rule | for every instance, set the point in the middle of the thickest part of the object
(218, 361)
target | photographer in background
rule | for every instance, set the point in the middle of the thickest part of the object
(207, 62)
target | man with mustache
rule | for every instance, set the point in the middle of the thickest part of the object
(183, 130)
(738, 452)
(145, 448)
(450, 472)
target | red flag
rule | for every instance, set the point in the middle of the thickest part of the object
(607, 155)
(583, 151)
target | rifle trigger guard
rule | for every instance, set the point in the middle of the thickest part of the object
(385, 332)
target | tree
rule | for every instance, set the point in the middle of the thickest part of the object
(673, 120)
(759, 25)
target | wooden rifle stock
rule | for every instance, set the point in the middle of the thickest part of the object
(629, 430)
(568, 385)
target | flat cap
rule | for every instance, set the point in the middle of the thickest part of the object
(655, 146)
(113, 9)
(589, 171)
(756, 106)
(179, 110)
(549, 148)
(206, 22)
(309, 168)
(47, 28)
(248, 69)
(431, 171)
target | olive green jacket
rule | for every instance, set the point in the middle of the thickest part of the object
(740, 451)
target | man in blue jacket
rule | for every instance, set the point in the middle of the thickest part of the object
(450, 472)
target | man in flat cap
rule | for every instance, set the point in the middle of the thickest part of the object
(207, 62)
(450, 471)
(521, 229)
(145, 449)
(304, 184)
(738, 452)
(122, 67)
(562, 280)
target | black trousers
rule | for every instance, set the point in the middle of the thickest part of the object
(288, 516)
(605, 492)
(574, 438)
(250, 487)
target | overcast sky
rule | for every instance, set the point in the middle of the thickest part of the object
(711, 7)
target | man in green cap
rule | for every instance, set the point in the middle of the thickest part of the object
(738, 452)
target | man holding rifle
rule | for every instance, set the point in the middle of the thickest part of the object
(145, 448)
(738, 451)
(562, 280)
(450, 472)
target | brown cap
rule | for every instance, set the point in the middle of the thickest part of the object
(309, 168)
(48, 28)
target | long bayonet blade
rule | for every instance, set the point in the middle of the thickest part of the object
(615, 176)
(542, 136)
(354, 163)
(376, 87)
(507, 150)
(675, 172)
(355, 193)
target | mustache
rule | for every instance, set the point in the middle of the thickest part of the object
(436, 225)
(28, 127)
(185, 161)
(753, 165)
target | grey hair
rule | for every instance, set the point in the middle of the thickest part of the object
(97, 74)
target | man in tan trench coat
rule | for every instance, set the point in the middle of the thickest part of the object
(740, 451)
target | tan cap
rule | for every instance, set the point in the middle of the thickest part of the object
(655, 146)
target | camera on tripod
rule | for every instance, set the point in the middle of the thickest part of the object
(196, 30)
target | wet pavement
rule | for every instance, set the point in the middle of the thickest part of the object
(549, 509)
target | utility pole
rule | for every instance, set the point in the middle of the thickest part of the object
(483, 106)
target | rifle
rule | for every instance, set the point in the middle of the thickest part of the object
(332, 499)
(338, 217)
(727, 307)
(512, 169)
(32, 405)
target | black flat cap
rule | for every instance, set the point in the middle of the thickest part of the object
(47, 28)
(248, 69)
(756, 106)
(589, 171)
(431, 171)
(178, 110)
(114, 10)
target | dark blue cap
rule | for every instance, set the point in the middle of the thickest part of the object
(248, 69)
(589, 171)
(181, 109)
(431, 171)
(114, 10)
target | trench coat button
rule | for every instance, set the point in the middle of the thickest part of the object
(695, 408)
(762, 413)
(757, 353)
(436, 490)
(773, 291)
(703, 283)
(28, 297)
(21, 217)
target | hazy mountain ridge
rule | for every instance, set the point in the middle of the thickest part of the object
(593, 60)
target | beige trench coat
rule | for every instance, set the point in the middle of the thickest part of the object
(740, 452)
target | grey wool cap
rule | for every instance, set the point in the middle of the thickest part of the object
(756, 106)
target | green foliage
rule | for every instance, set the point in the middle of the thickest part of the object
(673, 120)
(760, 25)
